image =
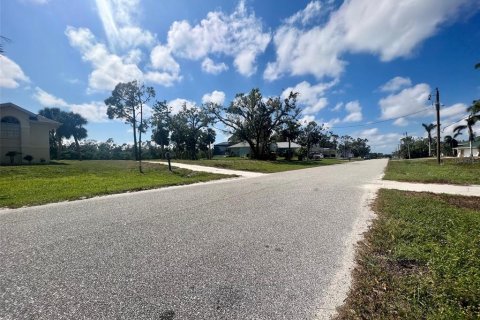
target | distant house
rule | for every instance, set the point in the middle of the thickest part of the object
(241, 149)
(281, 148)
(463, 149)
(326, 152)
(24, 133)
(220, 149)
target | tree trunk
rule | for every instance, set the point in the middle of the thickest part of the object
(77, 146)
(134, 125)
(59, 147)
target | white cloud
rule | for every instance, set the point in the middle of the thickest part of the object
(396, 84)
(380, 142)
(401, 122)
(338, 107)
(407, 101)
(178, 103)
(108, 69)
(217, 97)
(94, 111)
(354, 112)
(11, 73)
(311, 11)
(239, 35)
(209, 66)
(310, 97)
(118, 19)
(358, 26)
(306, 119)
(167, 69)
(47, 99)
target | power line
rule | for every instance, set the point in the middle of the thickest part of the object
(451, 124)
(380, 121)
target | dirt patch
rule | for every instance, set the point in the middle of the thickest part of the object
(464, 202)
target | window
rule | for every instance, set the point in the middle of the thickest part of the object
(10, 128)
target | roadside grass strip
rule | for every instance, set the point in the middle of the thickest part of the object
(451, 171)
(419, 260)
(260, 165)
(71, 180)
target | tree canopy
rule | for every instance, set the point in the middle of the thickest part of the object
(254, 119)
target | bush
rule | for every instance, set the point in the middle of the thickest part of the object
(28, 158)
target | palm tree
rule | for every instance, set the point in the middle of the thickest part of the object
(471, 120)
(429, 128)
(74, 125)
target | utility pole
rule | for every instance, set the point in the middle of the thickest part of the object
(408, 144)
(437, 106)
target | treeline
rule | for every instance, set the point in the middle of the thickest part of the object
(188, 132)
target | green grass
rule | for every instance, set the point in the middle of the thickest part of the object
(450, 171)
(420, 259)
(69, 180)
(258, 165)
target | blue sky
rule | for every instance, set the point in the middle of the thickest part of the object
(354, 63)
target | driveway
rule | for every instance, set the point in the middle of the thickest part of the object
(270, 247)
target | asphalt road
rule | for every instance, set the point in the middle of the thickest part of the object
(258, 248)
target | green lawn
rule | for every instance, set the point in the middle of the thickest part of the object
(68, 180)
(450, 171)
(420, 259)
(260, 166)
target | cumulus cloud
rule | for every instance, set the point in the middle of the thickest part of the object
(94, 111)
(217, 97)
(396, 84)
(380, 142)
(311, 11)
(407, 101)
(10, 73)
(354, 28)
(177, 104)
(108, 68)
(239, 35)
(209, 66)
(354, 112)
(119, 23)
(310, 97)
(167, 70)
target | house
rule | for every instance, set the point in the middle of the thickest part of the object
(326, 152)
(24, 133)
(220, 149)
(281, 148)
(463, 149)
(241, 149)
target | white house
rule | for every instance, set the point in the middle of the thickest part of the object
(24, 133)
(463, 149)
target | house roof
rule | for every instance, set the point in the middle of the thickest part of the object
(223, 144)
(32, 116)
(466, 145)
(243, 144)
(284, 145)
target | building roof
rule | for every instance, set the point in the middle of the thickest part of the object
(466, 145)
(32, 116)
(243, 144)
(284, 145)
(223, 144)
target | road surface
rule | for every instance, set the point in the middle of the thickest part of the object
(268, 247)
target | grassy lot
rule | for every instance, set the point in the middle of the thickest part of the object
(420, 259)
(260, 166)
(450, 171)
(68, 180)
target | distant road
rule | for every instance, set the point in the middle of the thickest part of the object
(266, 247)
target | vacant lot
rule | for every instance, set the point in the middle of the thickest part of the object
(68, 180)
(260, 166)
(420, 260)
(450, 171)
